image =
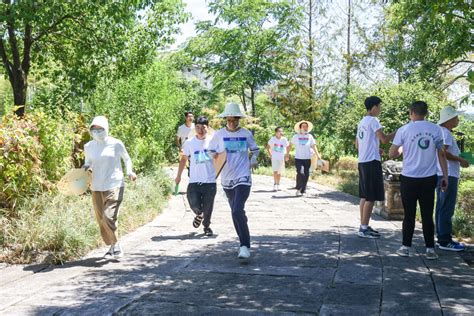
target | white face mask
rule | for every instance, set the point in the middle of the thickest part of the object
(99, 136)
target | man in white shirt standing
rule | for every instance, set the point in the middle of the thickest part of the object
(103, 157)
(279, 151)
(368, 138)
(186, 130)
(446, 201)
(201, 189)
(422, 143)
(236, 178)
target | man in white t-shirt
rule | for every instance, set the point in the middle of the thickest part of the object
(237, 143)
(186, 130)
(368, 138)
(446, 201)
(279, 151)
(422, 143)
(201, 189)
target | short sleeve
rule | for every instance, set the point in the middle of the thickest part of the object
(251, 142)
(312, 140)
(217, 143)
(187, 148)
(447, 138)
(271, 142)
(440, 139)
(178, 133)
(286, 143)
(375, 125)
(398, 140)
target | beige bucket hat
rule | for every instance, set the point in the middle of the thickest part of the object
(74, 182)
(297, 126)
(446, 114)
(232, 109)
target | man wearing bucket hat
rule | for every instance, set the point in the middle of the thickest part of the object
(422, 142)
(305, 146)
(201, 189)
(236, 179)
(368, 138)
(446, 201)
(103, 155)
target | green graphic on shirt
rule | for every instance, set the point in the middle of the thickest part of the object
(361, 134)
(423, 143)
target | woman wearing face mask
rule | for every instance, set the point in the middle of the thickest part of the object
(305, 145)
(103, 155)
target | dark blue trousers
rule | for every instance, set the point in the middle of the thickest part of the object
(237, 198)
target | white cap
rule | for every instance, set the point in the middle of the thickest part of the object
(446, 114)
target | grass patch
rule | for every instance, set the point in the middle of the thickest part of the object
(55, 228)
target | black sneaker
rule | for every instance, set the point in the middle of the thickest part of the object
(208, 232)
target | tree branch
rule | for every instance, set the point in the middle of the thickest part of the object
(13, 44)
(6, 63)
(51, 27)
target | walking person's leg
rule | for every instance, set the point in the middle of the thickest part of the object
(241, 194)
(445, 215)
(306, 166)
(195, 199)
(299, 175)
(208, 195)
(112, 200)
(427, 197)
(409, 188)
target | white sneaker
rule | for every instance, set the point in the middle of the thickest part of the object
(110, 253)
(244, 253)
(298, 193)
(275, 187)
(278, 187)
(118, 252)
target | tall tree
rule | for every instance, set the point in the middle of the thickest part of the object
(250, 44)
(79, 35)
(431, 40)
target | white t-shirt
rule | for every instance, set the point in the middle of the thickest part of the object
(420, 140)
(278, 147)
(303, 143)
(201, 169)
(185, 133)
(237, 145)
(104, 160)
(454, 167)
(367, 139)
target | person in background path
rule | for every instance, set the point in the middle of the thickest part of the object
(422, 142)
(446, 201)
(368, 138)
(103, 157)
(279, 151)
(305, 145)
(201, 189)
(186, 130)
(236, 178)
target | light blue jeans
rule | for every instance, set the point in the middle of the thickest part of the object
(445, 205)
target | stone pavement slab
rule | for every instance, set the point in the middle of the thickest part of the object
(306, 260)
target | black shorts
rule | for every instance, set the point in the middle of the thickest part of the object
(371, 181)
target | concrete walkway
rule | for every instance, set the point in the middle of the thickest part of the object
(306, 259)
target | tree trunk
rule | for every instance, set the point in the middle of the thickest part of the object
(242, 99)
(349, 59)
(252, 100)
(19, 86)
(310, 51)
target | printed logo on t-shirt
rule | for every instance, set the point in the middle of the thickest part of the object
(423, 143)
(201, 156)
(303, 140)
(361, 134)
(235, 144)
(278, 148)
(423, 140)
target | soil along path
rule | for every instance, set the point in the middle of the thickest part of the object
(306, 259)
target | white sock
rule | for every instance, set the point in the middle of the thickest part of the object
(430, 250)
(364, 227)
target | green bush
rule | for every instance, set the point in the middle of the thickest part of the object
(463, 221)
(34, 151)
